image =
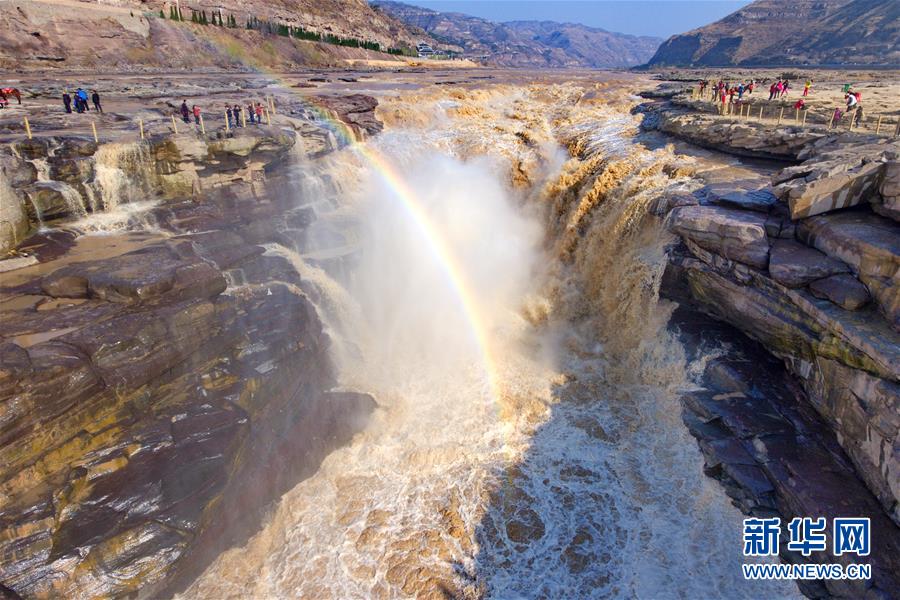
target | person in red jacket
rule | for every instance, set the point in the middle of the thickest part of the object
(259, 112)
(196, 112)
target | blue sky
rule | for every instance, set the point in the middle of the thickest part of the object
(660, 18)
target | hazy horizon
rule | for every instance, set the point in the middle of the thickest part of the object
(622, 16)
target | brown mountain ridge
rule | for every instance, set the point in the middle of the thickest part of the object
(526, 43)
(831, 33)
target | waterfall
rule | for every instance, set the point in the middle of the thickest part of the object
(507, 320)
(122, 174)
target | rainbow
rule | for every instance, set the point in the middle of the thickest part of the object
(437, 244)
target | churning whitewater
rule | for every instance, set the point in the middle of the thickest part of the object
(503, 311)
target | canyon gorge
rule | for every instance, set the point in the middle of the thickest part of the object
(484, 334)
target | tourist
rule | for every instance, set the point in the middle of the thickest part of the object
(67, 101)
(185, 112)
(740, 91)
(229, 116)
(259, 113)
(83, 98)
(95, 98)
(238, 111)
(251, 112)
(771, 91)
(785, 86)
(858, 117)
(750, 87)
(851, 101)
(807, 86)
(799, 104)
(846, 88)
(196, 111)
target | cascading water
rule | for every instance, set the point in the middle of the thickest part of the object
(118, 192)
(121, 174)
(528, 441)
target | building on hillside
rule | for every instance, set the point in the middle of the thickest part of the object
(424, 50)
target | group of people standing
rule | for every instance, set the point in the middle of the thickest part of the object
(80, 98)
(232, 113)
(723, 91)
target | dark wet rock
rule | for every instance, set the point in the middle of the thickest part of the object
(141, 276)
(75, 147)
(844, 290)
(72, 172)
(733, 234)
(33, 148)
(739, 194)
(51, 200)
(796, 265)
(666, 202)
(357, 110)
(794, 469)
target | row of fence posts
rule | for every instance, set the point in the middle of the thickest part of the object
(728, 109)
(269, 110)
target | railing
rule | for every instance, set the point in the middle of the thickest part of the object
(789, 115)
(173, 123)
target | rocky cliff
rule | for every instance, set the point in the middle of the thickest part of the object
(807, 263)
(159, 386)
(527, 43)
(770, 32)
(130, 34)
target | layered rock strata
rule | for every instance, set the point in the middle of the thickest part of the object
(812, 274)
(160, 387)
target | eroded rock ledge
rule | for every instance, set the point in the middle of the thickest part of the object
(808, 264)
(155, 399)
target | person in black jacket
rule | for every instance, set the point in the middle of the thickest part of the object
(95, 98)
(67, 101)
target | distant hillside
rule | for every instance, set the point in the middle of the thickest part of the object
(526, 43)
(130, 33)
(799, 32)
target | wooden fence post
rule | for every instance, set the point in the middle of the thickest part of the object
(174, 125)
(780, 116)
(243, 117)
(27, 128)
(803, 123)
(268, 122)
(141, 126)
(227, 124)
(831, 122)
(272, 103)
(760, 112)
(202, 126)
(878, 125)
(797, 115)
(94, 128)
